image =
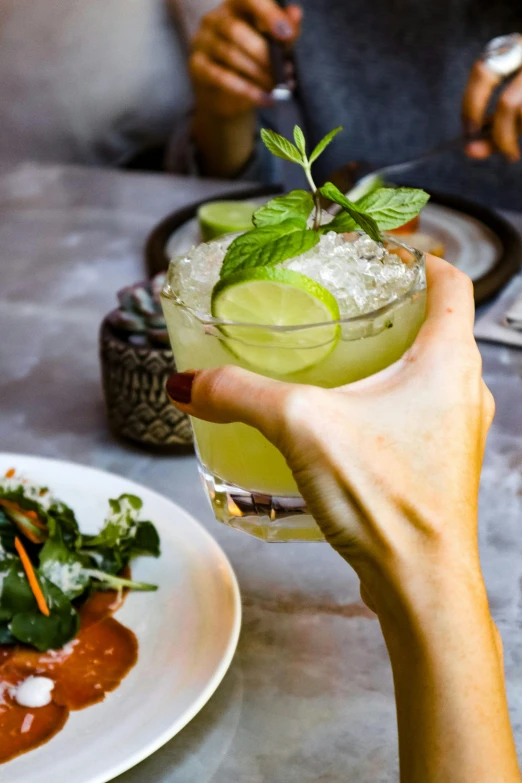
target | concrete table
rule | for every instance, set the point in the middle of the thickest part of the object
(309, 696)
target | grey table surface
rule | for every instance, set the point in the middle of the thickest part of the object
(309, 695)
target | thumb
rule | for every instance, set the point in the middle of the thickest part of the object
(228, 394)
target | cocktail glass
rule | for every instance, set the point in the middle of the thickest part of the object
(247, 480)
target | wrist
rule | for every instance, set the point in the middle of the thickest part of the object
(442, 600)
(448, 676)
(426, 590)
(224, 142)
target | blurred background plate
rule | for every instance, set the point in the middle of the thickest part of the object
(177, 232)
(474, 238)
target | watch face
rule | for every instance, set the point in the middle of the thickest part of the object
(503, 55)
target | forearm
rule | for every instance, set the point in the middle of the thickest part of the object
(224, 144)
(451, 702)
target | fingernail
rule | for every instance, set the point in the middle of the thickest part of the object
(179, 386)
(283, 30)
(471, 128)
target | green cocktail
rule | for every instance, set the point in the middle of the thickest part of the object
(248, 481)
(301, 297)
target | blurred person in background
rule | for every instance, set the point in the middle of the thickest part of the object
(395, 75)
(100, 82)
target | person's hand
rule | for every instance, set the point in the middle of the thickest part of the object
(389, 466)
(230, 64)
(507, 120)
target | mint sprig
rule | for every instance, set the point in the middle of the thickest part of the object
(282, 148)
(279, 146)
(296, 204)
(389, 207)
(393, 207)
(281, 226)
(268, 245)
(354, 211)
(324, 143)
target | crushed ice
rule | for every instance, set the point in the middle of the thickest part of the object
(361, 274)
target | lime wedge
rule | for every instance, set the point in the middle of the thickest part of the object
(276, 297)
(225, 217)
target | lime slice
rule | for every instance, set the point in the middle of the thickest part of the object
(276, 297)
(225, 217)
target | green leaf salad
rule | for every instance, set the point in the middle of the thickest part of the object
(67, 565)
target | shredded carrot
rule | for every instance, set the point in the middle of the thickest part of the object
(31, 578)
(32, 515)
(10, 473)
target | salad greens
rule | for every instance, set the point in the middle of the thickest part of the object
(292, 224)
(62, 566)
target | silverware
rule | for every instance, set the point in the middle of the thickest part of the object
(279, 61)
(360, 175)
(285, 112)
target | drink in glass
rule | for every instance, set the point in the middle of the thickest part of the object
(365, 310)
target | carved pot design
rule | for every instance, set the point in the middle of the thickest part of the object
(134, 388)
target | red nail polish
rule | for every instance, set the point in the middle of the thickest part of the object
(179, 386)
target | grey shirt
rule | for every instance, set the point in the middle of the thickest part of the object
(89, 81)
(393, 72)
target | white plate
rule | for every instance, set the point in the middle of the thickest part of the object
(187, 633)
(469, 244)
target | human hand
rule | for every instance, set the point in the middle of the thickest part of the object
(230, 63)
(507, 119)
(389, 466)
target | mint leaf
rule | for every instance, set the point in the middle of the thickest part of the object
(324, 143)
(341, 223)
(363, 220)
(389, 207)
(393, 207)
(279, 146)
(299, 139)
(296, 204)
(269, 245)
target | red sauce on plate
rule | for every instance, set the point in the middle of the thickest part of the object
(91, 665)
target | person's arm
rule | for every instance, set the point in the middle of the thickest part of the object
(231, 74)
(389, 467)
(224, 144)
(449, 685)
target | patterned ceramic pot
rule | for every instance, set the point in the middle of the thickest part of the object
(134, 388)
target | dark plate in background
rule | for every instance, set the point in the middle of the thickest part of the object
(157, 257)
(476, 239)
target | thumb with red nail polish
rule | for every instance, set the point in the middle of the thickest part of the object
(179, 387)
(227, 394)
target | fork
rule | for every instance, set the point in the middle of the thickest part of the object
(361, 173)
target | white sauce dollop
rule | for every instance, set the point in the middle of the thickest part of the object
(33, 692)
